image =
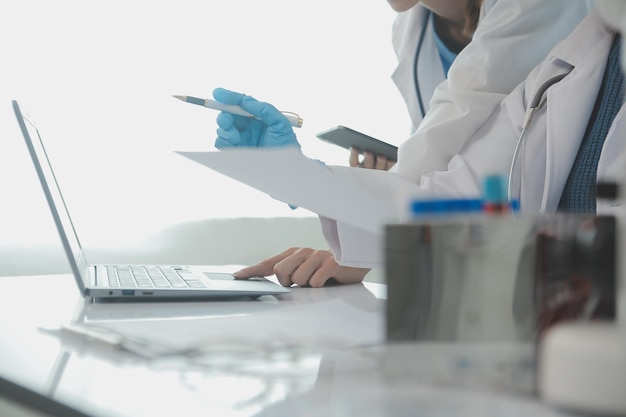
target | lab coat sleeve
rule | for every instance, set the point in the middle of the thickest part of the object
(361, 248)
(513, 36)
(489, 151)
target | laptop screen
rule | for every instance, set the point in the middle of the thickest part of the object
(53, 194)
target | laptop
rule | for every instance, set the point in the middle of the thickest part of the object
(125, 281)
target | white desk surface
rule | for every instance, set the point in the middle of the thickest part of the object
(314, 352)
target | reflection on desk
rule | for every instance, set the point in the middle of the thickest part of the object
(312, 352)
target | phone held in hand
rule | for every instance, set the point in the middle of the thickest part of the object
(347, 138)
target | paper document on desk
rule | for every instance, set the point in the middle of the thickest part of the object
(364, 198)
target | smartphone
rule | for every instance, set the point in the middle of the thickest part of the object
(346, 138)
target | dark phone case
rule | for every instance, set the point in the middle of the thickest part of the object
(346, 138)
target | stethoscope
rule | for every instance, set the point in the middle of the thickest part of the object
(418, 50)
(536, 104)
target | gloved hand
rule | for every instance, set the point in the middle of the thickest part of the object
(272, 130)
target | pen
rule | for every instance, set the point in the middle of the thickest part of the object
(77, 334)
(93, 335)
(294, 119)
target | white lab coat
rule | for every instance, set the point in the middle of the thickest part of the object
(554, 136)
(405, 37)
(551, 143)
(511, 38)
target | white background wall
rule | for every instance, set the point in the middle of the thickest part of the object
(98, 77)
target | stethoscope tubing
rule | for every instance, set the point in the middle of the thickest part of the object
(536, 104)
(418, 50)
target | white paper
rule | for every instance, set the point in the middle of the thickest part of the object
(364, 198)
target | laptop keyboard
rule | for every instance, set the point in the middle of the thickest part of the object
(137, 276)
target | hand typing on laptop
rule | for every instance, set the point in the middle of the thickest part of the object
(304, 267)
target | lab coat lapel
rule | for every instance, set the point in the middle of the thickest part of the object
(406, 35)
(430, 72)
(571, 102)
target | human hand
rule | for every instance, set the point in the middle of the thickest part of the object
(304, 267)
(271, 129)
(370, 160)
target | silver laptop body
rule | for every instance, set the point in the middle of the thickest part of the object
(129, 281)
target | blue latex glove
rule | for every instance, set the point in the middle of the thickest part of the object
(272, 130)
